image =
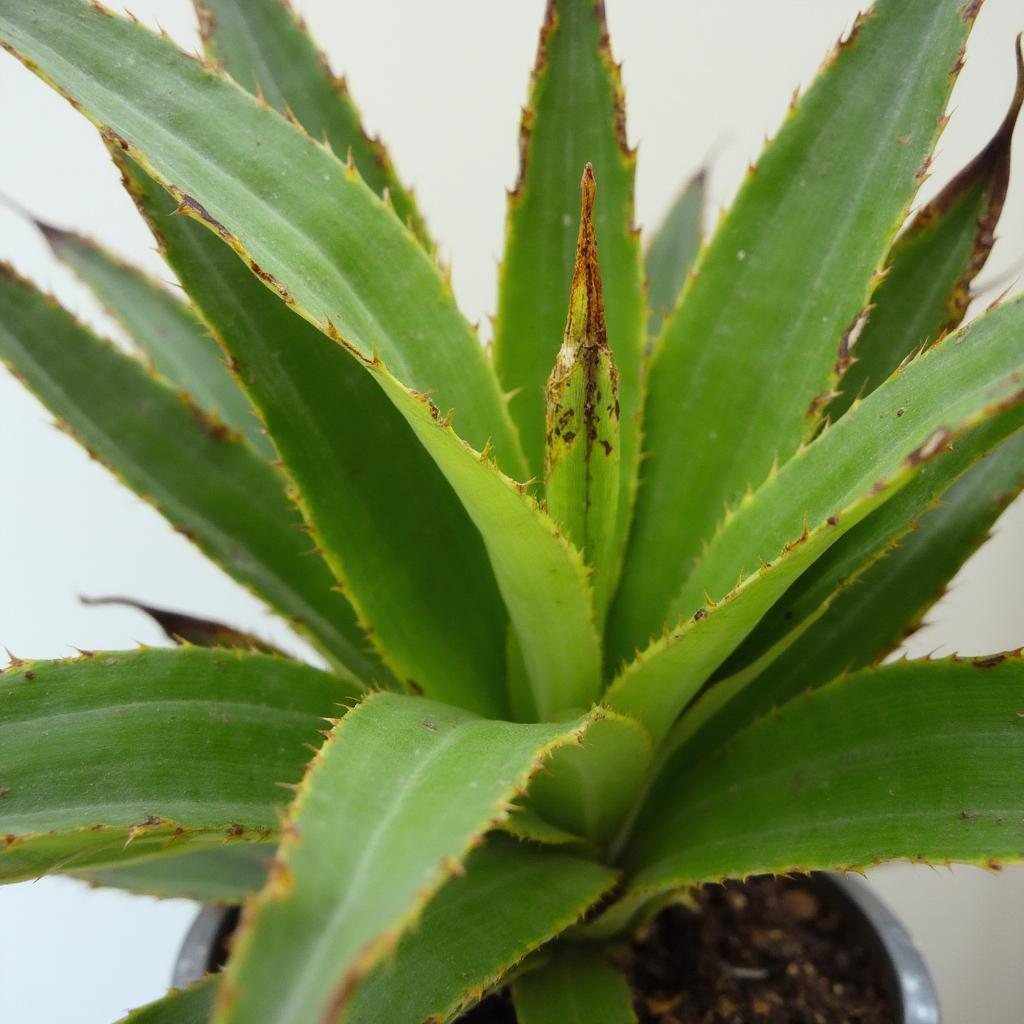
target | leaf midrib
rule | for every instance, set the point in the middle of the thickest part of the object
(319, 959)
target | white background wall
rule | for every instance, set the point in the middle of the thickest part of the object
(443, 81)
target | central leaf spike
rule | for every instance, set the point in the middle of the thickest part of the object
(581, 463)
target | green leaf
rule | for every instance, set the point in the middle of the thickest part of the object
(587, 788)
(265, 47)
(524, 823)
(911, 417)
(121, 756)
(738, 375)
(581, 457)
(876, 613)
(661, 680)
(219, 151)
(392, 805)
(192, 1005)
(672, 252)
(210, 486)
(541, 576)
(222, 874)
(189, 629)
(423, 587)
(575, 116)
(574, 988)
(927, 287)
(477, 928)
(471, 934)
(824, 491)
(918, 760)
(860, 600)
(168, 332)
(924, 294)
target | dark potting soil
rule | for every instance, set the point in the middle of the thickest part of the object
(770, 951)
(767, 951)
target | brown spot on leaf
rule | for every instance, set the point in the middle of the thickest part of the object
(930, 447)
(988, 662)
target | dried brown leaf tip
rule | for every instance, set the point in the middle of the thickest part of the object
(190, 629)
(586, 278)
(585, 342)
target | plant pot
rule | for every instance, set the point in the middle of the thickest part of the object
(910, 985)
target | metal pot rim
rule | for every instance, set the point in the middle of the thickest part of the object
(910, 978)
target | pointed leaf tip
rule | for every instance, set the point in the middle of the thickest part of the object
(582, 457)
(588, 185)
(585, 326)
(186, 630)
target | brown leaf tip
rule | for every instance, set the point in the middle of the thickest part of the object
(991, 164)
(587, 272)
(588, 190)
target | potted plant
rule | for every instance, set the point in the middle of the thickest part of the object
(601, 613)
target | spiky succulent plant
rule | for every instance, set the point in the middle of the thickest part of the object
(557, 698)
